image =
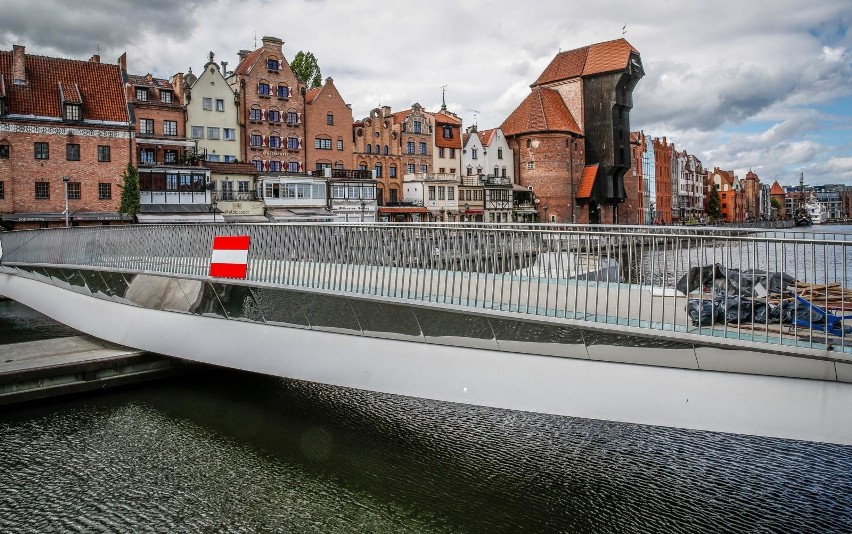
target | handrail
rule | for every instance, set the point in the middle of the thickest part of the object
(670, 281)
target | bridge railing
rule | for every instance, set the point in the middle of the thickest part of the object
(777, 288)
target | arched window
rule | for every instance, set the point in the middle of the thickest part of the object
(283, 91)
(377, 150)
(263, 88)
(273, 115)
(378, 170)
(272, 63)
(255, 113)
(369, 148)
(386, 150)
(392, 171)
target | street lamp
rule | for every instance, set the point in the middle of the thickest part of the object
(545, 212)
(363, 208)
(466, 208)
(67, 179)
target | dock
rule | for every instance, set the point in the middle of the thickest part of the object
(48, 368)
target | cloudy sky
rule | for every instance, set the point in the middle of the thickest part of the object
(761, 84)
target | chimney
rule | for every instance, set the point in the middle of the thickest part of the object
(95, 59)
(386, 111)
(273, 43)
(122, 62)
(179, 86)
(224, 68)
(242, 54)
(19, 65)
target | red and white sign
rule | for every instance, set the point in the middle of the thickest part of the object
(230, 256)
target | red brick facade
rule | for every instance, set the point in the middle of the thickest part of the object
(663, 169)
(328, 128)
(271, 107)
(160, 118)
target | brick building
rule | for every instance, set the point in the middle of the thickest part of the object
(595, 87)
(731, 194)
(271, 105)
(328, 129)
(663, 152)
(751, 196)
(777, 194)
(61, 118)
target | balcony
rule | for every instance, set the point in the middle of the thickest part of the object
(430, 177)
(344, 174)
(234, 196)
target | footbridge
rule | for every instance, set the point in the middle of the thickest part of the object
(738, 332)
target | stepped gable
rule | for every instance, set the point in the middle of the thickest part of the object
(542, 110)
(97, 85)
(599, 58)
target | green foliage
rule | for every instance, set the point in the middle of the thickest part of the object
(306, 69)
(130, 191)
(776, 204)
(714, 204)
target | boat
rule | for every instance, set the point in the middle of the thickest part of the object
(817, 211)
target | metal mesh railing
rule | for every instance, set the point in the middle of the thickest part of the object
(779, 288)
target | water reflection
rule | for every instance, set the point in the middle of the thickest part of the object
(239, 452)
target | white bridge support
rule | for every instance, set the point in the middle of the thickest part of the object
(785, 407)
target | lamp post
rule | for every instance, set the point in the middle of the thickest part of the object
(466, 208)
(545, 213)
(65, 180)
(363, 208)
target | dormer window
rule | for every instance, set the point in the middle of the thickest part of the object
(166, 97)
(448, 132)
(272, 64)
(71, 112)
(142, 94)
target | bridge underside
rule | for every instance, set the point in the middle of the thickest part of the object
(441, 352)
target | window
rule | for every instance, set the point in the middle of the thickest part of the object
(452, 153)
(197, 132)
(369, 148)
(329, 119)
(354, 192)
(170, 156)
(207, 104)
(146, 155)
(322, 144)
(292, 117)
(392, 171)
(229, 134)
(212, 132)
(171, 182)
(273, 115)
(256, 140)
(263, 89)
(473, 153)
(142, 94)
(386, 150)
(530, 165)
(229, 159)
(378, 170)
(417, 127)
(431, 192)
(72, 152)
(451, 193)
(496, 170)
(423, 151)
(220, 104)
(274, 141)
(362, 166)
(442, 170)
(441, 152)
(146, 126)
(72, 112)
(243, 186)
(409, 168)
(255, 114)
(292, 166)
(424, 168)
(73, 190)
(258, 165)
(338, 191)
(275, 166)
(441, 192)
(4, 151)
(529, 143)
(213, 157)
(292, 143)
(166, 96)
(2, 190)
(410, 147)
(169, 127)
(448, 132)
(376, 150)
(393, 195)
(469, 170)
(283, 91)
(42, 190)
(340, 144)
(499, 153)
(272, 64)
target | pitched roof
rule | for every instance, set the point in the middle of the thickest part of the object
(98, 85)
(589, 60)
(543, 110)
(245, 65)
(776, 189)
(587, 181)
(231, 168)
(444, 118)
(311, 95)
(486, 136)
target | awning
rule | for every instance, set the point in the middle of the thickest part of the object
(402, 209)
(303, 215)
(474, 212)
(518, 187)
(33, 217)
(169, 218)
(525, 210)
(245, 218)
(100, 216)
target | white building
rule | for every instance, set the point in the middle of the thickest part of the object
(487, 154)
(436, 192)
(211, 111)
(295, 197)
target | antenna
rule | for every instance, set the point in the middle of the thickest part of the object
(255, 38)
(475, 115)
(624, 30)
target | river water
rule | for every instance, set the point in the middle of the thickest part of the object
(227, 451)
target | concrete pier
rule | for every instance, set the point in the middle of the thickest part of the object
(48, 368)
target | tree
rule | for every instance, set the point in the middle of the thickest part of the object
(776, 207)
(714, 204)
(306, 69)
(130, 191)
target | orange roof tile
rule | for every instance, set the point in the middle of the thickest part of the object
(443, 118)
(231, 168)
(486, 136)
(589, 60)
(311, 95)
(245, 65)
(587, 181)
(543, 110)
(98, 85)
(776, 189)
